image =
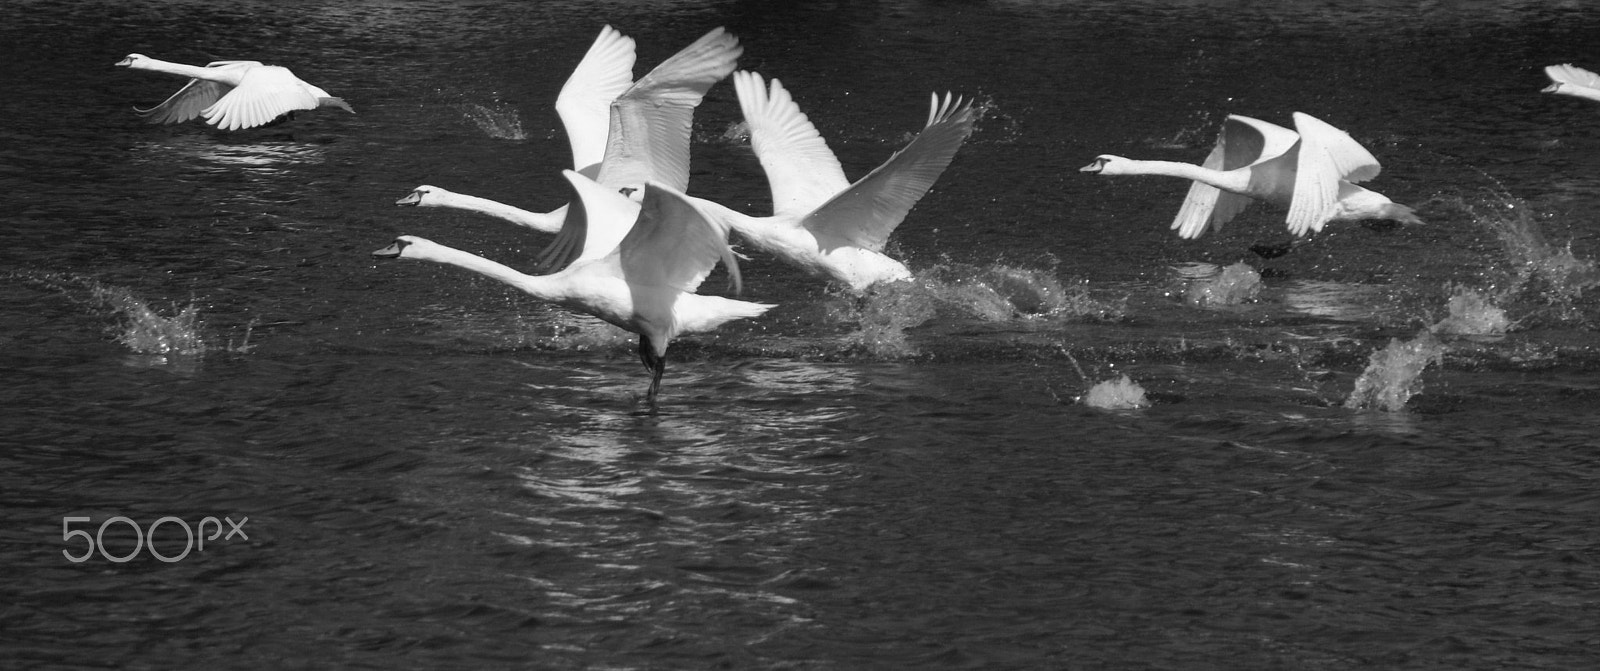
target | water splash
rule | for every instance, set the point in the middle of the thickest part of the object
(500, 122)
(1118, 394)
(994, 293)
(1550, 278)
(1394, 374)
(1472, 313)
(1207, 285)
(135, 325)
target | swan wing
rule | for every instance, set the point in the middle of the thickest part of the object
(1572, 75)
(585, 100)
(866, 213)
(801, 170)
(263, 94)
(598, 218)
(187, 103)
(1243, 142)
(650, 123)
(674, 244)
(1327, 157)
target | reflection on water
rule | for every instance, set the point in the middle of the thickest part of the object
(209, 152)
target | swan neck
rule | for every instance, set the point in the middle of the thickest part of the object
(543, 221)
(538, 286)
(180, 69)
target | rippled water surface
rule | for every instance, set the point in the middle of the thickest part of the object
(432, 471)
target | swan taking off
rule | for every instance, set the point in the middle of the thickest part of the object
(232, 95)
(1311, 172)
(623, 133)
(644, 284)
(821, 222)
(1571, 80)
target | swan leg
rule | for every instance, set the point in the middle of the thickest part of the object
(653, 363)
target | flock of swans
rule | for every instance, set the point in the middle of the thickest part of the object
(632, 248)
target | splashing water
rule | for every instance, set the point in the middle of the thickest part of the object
(1394, 374)
(1206, 285)
(1119, 394)
(1472, 313)
(1541, 273)
(136, 325)
(995, 293)
(500, 122)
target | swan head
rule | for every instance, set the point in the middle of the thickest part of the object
(1106, 164)
(403, 247)
(423, 196)
(634, 193)
(131, 59)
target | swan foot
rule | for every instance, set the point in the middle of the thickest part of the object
(654, 363)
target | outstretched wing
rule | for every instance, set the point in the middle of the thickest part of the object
(674, 244)
(650, 123)
(1243, 142)
(598, 218)
(1327, 156)
(801, 170)
(866, 213)
(585, 100)
(187, 103)
(264, 93)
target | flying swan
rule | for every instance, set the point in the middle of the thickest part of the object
(1311, 172)
(820, 221)
(232, 95)
(645, 283)
(1571, 80)
(622, 132)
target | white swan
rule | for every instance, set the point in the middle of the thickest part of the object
(622, 132)
(232, 94)
(821, 222)
(1312, 172)
(1571, 80)
(645, 283)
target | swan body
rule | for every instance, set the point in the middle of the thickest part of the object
(232, 95)
(644, 284)
(1571, 80)
(622, 132)
(1311, 170)
(821, 222)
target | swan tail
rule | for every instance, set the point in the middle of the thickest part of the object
(1401, 213)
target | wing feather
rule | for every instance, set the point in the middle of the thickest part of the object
(650, 123)
(1327, 157)
(598, 218)
(865, 214)
(605, 72)
(802, 172)
(187, 103)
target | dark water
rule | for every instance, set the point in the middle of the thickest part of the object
(439, 473)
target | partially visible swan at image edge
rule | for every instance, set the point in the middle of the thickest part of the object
(1311, 172)
(821, 222)
(1571, 80)
(621, 132)
(644, 284)
(232, 95)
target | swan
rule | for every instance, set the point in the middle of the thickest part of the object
(1571, 80)
(643, 283)
(821, 222)
(622, 132)
(1310, 170)
(232, 95)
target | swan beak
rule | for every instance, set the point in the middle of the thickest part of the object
(126, 62)
(1097, 166)
(1553, 88)
(413, 198)
(392, 251)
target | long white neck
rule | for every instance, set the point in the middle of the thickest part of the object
(544, 222)
(180, 69)
(1237, 181)
(538, 286)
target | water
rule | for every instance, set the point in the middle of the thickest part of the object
(434, 472)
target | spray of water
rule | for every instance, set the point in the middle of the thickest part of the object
(1549, 280)
(1121, 393)
(500, 122)
(1472, 313)
(133, 322)
(1394, 374)
(1206, 285)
